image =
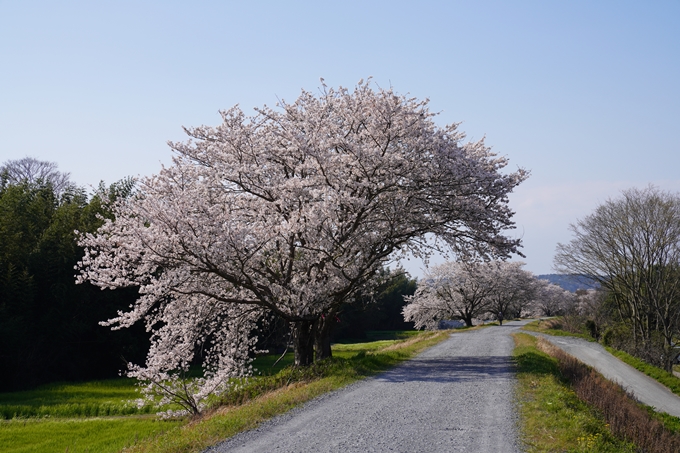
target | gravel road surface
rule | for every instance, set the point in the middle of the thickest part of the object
(643, 388)
(454, 397)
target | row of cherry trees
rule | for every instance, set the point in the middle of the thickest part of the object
(292, 212)
(466, 291)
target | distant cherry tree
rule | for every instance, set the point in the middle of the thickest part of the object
(513, 288)
(293, 211)
(553, 300)
(452, 290)
(468, 290)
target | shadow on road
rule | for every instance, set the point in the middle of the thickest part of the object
(451, 369)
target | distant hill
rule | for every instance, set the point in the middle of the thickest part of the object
(570, 282)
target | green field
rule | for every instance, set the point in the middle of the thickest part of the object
(88, 399)
(96, 416)
(99, 434)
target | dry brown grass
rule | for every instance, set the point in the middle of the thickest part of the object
(411, 341)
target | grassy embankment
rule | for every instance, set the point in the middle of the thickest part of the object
(662, 376)
(552, 418)
(547, 326)
(629, 419)
(97, 417)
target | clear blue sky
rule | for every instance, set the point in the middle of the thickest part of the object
(584, 94)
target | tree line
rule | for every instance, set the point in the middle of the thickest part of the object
(49, 326)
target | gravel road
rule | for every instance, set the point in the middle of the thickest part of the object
(454, 397)
(643, 388)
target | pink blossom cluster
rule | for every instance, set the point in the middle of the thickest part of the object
(291, 211)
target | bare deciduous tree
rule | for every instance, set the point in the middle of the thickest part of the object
(34, 171)
(631, 247)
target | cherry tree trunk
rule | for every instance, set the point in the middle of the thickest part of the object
(322, 338)
(303, 340)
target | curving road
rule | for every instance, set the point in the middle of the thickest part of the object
(454, 397)
(641, 386)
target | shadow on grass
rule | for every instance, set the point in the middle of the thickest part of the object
(528, 361)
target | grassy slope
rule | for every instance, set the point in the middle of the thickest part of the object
(662, 376)
(552, 418)
(102, 435)
(543, 326)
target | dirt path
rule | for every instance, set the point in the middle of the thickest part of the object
(454, 397)
(644, 388)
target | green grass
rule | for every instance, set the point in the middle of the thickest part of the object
(87, 399)
(101, 435)
(552, 418)
(661, 375)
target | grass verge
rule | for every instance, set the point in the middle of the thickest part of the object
(626, 418)
(661, 375)
(549, 327)
(552, 417)
(267, 396)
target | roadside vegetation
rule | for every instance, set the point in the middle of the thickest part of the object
(60, 409)
(567, 406)
(555, 327)
(552, 416)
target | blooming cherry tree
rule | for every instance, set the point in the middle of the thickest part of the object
(293, 211)
(452, 290)
(513, 288)
(553, 300)
(467, 290)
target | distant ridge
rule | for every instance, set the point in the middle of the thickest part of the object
(570, 282)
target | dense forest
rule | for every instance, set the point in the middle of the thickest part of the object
(49, 326)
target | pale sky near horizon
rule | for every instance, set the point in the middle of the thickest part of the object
(584, 94)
